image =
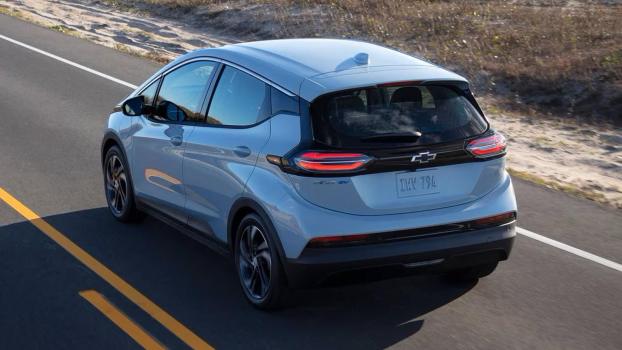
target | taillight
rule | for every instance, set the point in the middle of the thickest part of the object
(331, 161)
(488, 146)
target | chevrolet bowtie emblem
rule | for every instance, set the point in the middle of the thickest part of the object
(423, 157)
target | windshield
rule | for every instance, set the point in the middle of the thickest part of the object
(417, 115)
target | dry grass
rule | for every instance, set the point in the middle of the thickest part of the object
(553, 55)
(570, 189)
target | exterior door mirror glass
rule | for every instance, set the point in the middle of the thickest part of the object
(134, 106)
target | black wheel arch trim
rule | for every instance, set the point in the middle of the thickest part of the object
(111, 136)
(249, 203)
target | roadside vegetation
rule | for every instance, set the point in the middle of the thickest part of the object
(562, 57)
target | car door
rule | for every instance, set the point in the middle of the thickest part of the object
(220, 154)
(159, 138)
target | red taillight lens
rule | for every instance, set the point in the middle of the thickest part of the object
(337, 240)
(488, 146)
(496, 219)
(331, 161)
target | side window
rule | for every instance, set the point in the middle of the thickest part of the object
(282, 103)
(182, 92)
(149, 92)
(239, 99)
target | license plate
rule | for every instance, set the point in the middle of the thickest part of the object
(417, 183)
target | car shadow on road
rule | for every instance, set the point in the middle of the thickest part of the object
(199, 288)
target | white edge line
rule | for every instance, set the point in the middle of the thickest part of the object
(570, 249)
(71, 63)
(519, 230)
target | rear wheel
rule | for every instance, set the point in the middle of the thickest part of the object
(118, 186)
(473, 273)
(258, 264)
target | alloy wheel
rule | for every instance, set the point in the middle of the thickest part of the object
(255, 262)
(116, 185)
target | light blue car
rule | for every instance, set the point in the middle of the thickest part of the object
(309, 159)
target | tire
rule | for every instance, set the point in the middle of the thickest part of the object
(258, 264)
(473, 273)
(118, 186)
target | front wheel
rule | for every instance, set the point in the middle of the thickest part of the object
(258, 264)
(118, 186)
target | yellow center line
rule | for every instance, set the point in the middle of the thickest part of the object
(165, 319)
(121, 320)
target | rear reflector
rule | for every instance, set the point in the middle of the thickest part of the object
(330, 161)
(494, 220)
(393, 236)
(337, 240)
(488, 146)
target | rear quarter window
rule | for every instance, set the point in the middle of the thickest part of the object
(282, 103)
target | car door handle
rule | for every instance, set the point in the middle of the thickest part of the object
(176, 140)
(242, 151)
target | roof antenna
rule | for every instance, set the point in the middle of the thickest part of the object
(361, 58)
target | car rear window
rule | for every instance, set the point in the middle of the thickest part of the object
(417, 115)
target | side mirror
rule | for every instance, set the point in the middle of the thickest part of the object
(134, 106)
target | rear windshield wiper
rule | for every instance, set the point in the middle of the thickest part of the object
(397, 136)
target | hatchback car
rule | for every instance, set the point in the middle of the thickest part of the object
(305, 159)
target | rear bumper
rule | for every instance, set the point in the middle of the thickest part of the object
(316, 266)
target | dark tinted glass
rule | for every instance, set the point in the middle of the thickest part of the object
(239, 100)
(182, 92)
(375, 115)
(282, 103)
(149, 92)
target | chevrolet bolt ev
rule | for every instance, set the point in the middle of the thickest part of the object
(308, 159)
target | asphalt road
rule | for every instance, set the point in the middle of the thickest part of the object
(51, 126)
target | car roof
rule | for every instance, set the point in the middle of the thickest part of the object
(313, 67)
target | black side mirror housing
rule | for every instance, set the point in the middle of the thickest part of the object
(134, 106)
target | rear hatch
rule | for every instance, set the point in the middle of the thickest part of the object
(402, 149)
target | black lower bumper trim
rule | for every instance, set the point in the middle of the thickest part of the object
(317, 266)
